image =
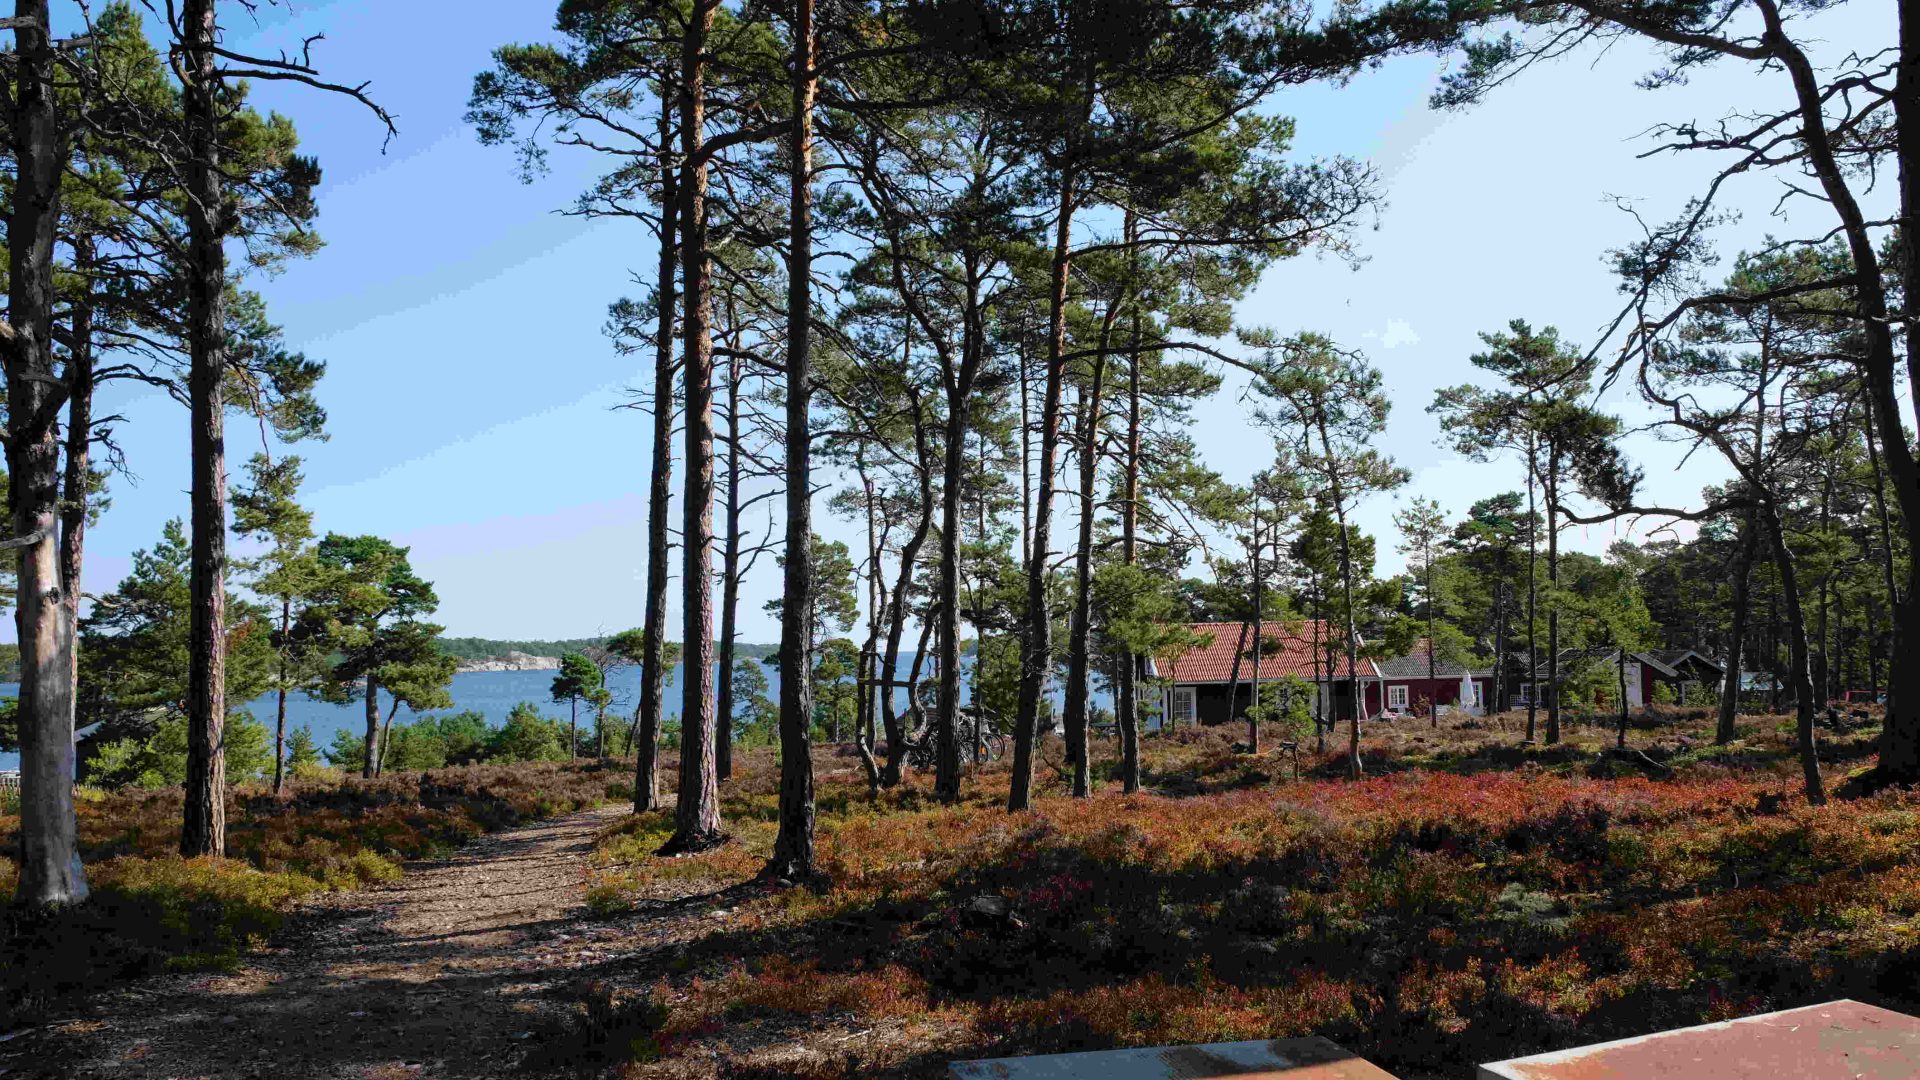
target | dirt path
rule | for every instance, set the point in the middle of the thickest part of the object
(447, 972)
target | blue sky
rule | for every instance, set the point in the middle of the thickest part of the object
(473, 397)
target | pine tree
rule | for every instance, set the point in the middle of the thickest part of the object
(1329, 406)
(366, 612)
(268, 509)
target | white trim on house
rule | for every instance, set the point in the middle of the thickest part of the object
(1187, 711)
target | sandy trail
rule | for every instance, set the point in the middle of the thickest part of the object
(443, 973)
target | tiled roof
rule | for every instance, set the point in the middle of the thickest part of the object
(1414, 665)
(1287, 650)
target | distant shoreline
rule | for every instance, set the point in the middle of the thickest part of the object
(513, 661)
(496, 654)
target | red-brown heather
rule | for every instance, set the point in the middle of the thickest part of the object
(1469, 901)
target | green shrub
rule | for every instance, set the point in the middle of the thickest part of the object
(160, 759)
(302, 751)
(528, 736)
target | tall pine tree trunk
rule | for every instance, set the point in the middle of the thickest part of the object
(959, 389)
(1036, 645)
(1352, 630)
(1900, 755)
(77, 486)
(370, 703)
(1433, 674)
(1127, 704)
(729, 578)
(204, 825)
(1724, 730)
(1080, 629)
(653, 665)
(697, 809)
(1900, 736)
(866, 681)
(50, 869)
(1533, 593)
(1259, 631)
(1553, 594)
(280, 701)
(1801, 672)
(1502, 693)
(1885, 520)
(1621, 738)
(897, 736)
(1233, 671)
(793, 846)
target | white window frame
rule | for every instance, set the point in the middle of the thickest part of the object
(1186, 705)
(1397, 697)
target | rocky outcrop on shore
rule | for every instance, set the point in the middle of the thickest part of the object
(513, 661)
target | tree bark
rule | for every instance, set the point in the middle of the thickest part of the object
(729, 579)
(1036, 652)
(897, 610)
(1354, 766)
(1321, 662)
(793, 846)
(697, 809)
(386, 737)
(1802, 671)
(50, 870)
(280, 702)
(1080, 630)
(1127, 705)
(1502, 693)
(1553, 593)
(1233, 670)
(1533, 593)
(1621, 739)
(78, 484)
(866, 682)
(1724, 729)
(204, 824)
(959, 390)
(1900, 737)
(1259, 631)
(1433, 674)
(371, 704)
(653, 665)
(1886, 527)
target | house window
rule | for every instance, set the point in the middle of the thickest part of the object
(1185, 710)
(1397, 698)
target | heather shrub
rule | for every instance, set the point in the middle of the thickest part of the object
(1481, 901)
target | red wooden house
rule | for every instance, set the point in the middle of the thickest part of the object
(1202, 684)
(1414, 690)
